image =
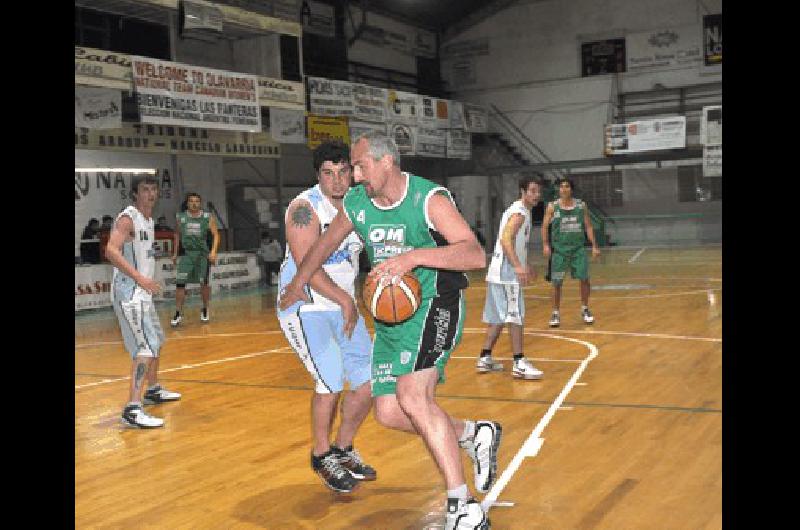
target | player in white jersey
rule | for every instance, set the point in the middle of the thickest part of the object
(509, 271)
(316, 329)
(130, 250)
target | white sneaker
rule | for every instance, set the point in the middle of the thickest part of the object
(524, 369)
(555, 320)
(160, 395)
(176, 319)
(487, 364)
(588, 318)
(204, 314)
(482, 449)
(465, 515)
(135, 416)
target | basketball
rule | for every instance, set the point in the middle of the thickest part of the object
(392, 303)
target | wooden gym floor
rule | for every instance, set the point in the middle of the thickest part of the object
(623, 432)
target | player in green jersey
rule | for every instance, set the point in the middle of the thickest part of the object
(569, 218)
(192, 255)
(411, 224)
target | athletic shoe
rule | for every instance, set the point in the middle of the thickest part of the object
(159, 395)
(487, 364)
(465, 515)
(333, 474)
(587, 316)
(352, 462)
(135, 416)
(555, 320)
(204, 314)
(524, 369)
(482, 449)
(176, 319)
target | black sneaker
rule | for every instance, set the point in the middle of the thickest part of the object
(134, 416)
(352, 462)
(159, 394)
(176, 319)
(333, 474)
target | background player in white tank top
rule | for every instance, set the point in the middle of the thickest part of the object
(130, 250)
(509, 271)
(315, 330)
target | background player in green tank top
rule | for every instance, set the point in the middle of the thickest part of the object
(409, 223)
(191, 253)
(569, 218)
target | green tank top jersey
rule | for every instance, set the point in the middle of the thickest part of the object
(567, 227)
(393, 230)
(194, 231)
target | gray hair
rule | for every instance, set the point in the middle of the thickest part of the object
(380, 145)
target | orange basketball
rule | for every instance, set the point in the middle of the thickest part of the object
(392, 303)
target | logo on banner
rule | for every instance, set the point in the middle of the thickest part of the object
(85, 183)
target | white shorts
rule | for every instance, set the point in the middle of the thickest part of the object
(141, 329)
(505, 304)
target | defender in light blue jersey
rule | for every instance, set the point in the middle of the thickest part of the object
(316, 329)
(130, 250)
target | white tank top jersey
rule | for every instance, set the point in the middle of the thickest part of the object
(500, 269)
(341, 266)
(138, 253)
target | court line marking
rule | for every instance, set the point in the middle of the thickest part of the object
(187, 366)
(636, 256)
(621, 333)
(533, 443)
(633, 297)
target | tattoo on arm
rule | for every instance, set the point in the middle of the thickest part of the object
(301, 216)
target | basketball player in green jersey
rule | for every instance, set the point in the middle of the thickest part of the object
(410, 224)
(570, 219)
(192, 254)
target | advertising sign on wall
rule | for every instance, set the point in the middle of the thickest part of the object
(281, 93)
(324, 128)
(476, 118)
(459, 144)
(330, 97)
(357, 128)
(664, 48)
(287, 126)
(403, 106)
(431, 142)
(370, 103)
(712, 39)
(103, 68)
(404, 136)
(98, 108)
(645, 135)
(171, 93)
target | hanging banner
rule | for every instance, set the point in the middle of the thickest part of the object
(369, 103)
(171, 93)
(711, 125)
(287, 126)
(403, 107)
(328, 97)
(712, 160)
(712, 39)
(357, 128)
(404, 136)
(476, 118)
(98, 108)
(459, 144)
(281, 93)
(102, 68)
(430, 142)
(324, 128)
(645, 135)
(666, 48)
(456, 111)
(178, 141)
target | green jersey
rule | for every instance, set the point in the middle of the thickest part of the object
(392, 230)
(567, 226)
(194, 231)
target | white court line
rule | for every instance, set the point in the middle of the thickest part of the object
(632, 297)
(534, 441)
(187, 366)
(176, 337)
(542, 359)
(622, 333)
(636, 256)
